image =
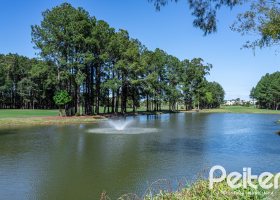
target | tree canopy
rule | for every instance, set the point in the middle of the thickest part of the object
(204, 11)
(267, 91)
(262, 19)
(26, 83)
(100, 67)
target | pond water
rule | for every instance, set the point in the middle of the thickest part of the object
(76, 162)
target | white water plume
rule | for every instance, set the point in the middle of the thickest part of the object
(122, 127)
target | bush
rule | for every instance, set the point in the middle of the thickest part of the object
(62, 98)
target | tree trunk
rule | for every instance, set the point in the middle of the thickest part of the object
(113, 101)
(117, 101)
(60, 111)
(108, 102)
(124, 94)
(97, 102)
(147, 102)
(78, 111)
(134, 103)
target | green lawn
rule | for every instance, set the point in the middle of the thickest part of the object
(20, 118)
(21, 113)
(242, 109)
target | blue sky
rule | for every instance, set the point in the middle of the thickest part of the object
(170, 29)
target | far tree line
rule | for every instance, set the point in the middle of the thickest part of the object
(86, 64)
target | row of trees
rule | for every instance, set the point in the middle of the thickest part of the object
(98, 66)
(26, 83)
(267, 91)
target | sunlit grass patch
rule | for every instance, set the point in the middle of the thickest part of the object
(200, 191)
(21, 113)
(240, 109)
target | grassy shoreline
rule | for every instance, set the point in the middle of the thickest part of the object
(239, 110)
(15, 118)
(200, 190)
(10, 118)
(33, 121)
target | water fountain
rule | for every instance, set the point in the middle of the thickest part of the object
(121, 126)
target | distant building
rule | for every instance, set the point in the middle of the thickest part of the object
(238, 101)
(253, 102)
(230, 102)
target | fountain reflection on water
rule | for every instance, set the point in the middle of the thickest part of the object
(122, 126)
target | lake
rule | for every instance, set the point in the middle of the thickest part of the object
(72, 162)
